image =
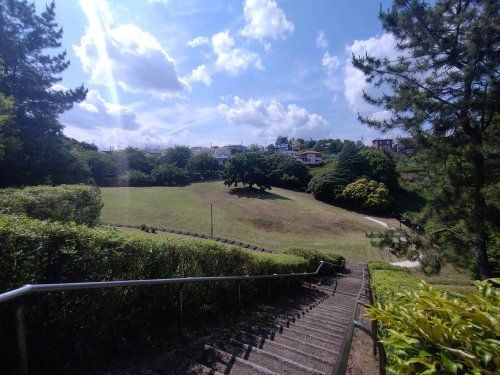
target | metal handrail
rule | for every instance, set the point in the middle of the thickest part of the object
(34, 288)
(343, 356)
(38, 288)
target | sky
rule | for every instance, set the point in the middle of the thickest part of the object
(201, 73)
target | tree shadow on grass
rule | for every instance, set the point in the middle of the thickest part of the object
(256, 193)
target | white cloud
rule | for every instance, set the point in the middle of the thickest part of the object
(201, 74)
(265, 19)
(330, 63)
(125, 55)
(354, 79)
(95, 112)
(232, 59)
(198, 41)
(321, 41)
(271, 118)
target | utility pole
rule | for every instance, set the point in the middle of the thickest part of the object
(211, 220)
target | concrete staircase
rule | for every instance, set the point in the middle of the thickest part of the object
(299, 334)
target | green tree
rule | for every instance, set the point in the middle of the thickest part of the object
(131, 158)
(325, 187)
(169, 174)
(444, 90)
(204, 165)
(178, 155)
(281, 140)
(382, 167)
(8, 140)
(288, 172)
(31, 65)
(250, 169)
(350, 165)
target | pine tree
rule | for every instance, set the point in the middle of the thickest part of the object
(444, 90)
(350, 165)
(29, 72)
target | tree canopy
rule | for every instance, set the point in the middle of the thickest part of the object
(31, 65)
(248, 169)
(444, 90)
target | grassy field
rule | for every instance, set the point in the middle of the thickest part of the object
(276, 220)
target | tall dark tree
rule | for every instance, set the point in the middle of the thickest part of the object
(444, 90)
(351, 164)
(31, 67)
(250, 169)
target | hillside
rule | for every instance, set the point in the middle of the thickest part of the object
(275, 220)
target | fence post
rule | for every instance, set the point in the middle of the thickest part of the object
(21, 339)
(269, 289)
(181, 317)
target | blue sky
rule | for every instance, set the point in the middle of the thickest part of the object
(198, 72)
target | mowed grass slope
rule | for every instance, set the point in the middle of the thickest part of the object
(276, 220)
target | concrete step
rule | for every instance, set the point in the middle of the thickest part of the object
(265, 358)
(226, 363)
(290, 348)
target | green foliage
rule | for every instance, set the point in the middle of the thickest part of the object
(350, 164)
(314, 257)
(382, 167)
(131, 158)
(31, 64)
(408, 245)
(204, 165)
(135, 178)
(249, 169)
(178, 156)
(374, 266)
(288, 172)
(325, 187)
(169, 174)
(102, 322)
(7, 135)
(367, 194)
(429, 331)
(79, 203)
(443, 91)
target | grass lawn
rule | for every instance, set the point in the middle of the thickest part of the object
(276, 220)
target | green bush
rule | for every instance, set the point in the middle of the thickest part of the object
(79, 203)
(388, 280)
(314, 257)
(373, 266)
(367, 194)
(431, 331)
(102, 322)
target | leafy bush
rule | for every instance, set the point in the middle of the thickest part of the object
(79, 203)
(431, 331)
(101, 322)
(314, 257)
(325, 187)
(134, 178)
(367, 194)
(387, 281)
(373, 266)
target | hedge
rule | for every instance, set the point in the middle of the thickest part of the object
(314, 257)
(427, 330)
(79, 203)
(79, 324)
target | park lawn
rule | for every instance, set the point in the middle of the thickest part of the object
(276, 220)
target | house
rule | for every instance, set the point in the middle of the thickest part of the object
(404, 146)
(280, 147)
(382, 144)
(311, 157)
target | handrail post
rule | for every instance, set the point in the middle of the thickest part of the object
(181, 316)
(382, 356)
(269, 288)
(21, 339)
(239, 296)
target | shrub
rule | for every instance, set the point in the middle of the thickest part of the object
(325, 187)
(314, 257)
(367, 194)
(101, 322)
(387, 281)
(431, 331)
(79, 203)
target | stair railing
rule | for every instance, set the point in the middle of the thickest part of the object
(343, 356)
(45, 288)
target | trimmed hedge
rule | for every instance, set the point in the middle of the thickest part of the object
(427, 330)
(388, 280)
(97, 323)
(79, 203)
(314, 257)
